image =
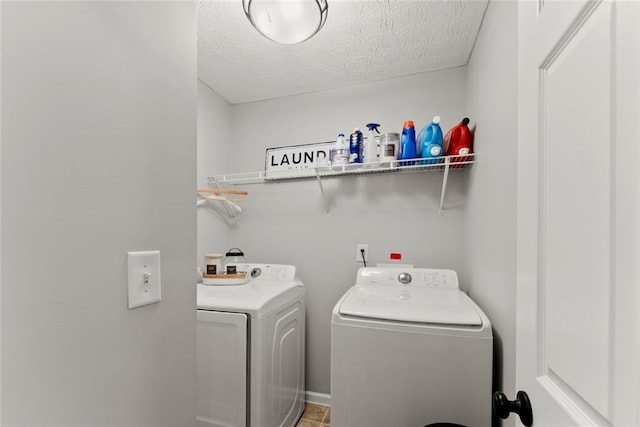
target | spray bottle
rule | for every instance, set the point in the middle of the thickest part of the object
(371, 146)
(430, 142)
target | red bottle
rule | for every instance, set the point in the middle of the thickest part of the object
(458, 142)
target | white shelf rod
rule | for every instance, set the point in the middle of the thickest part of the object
(327, 208)
(445, 176)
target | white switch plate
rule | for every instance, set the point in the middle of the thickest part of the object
(144, 278)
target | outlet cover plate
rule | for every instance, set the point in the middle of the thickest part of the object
(359, 248)
(144, 278)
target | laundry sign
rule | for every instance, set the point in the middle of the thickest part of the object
(296, 161)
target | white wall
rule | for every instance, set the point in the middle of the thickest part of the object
(98, 158)
(286, 222)
(214, 148)
(490, 212)
(1, 133)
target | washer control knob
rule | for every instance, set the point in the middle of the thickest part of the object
(404, 278)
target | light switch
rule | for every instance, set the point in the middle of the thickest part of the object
(144, 278)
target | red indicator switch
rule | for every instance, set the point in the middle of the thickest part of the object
(395, 255)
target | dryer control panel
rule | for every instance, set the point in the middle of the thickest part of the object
(414, 277)
(272, 272)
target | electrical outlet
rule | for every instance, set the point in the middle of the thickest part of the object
(359, 248)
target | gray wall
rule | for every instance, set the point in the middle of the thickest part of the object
(490, 212)
(1, 186)
(286, 222)
(214, 148)
(98, 158)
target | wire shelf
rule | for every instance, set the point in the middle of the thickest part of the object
(320, 172)
(353, 169)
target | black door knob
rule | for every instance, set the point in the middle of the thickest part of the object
(502, 407)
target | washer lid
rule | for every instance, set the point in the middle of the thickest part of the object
(418, 305)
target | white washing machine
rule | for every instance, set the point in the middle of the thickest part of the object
(250, 350)
(409, 348)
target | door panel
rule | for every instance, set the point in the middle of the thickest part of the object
(221, 369)
(577, 180)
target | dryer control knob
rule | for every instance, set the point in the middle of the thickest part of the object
(404, 278)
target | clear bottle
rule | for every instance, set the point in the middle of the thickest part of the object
(234, 262)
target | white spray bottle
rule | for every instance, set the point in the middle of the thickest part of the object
(371, 146)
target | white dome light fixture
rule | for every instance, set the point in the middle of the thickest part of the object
(286, 21)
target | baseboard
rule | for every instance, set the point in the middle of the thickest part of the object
(318, 398)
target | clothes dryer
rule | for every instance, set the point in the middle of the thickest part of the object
(409, 348)
(250, 350)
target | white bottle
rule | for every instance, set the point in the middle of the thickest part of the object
(371, 147)
(340, 151)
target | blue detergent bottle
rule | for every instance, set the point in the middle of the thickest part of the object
(430, 145)
(355, 146)
(407, 144)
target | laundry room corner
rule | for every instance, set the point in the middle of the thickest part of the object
(289, 222)
(489, 273)
(213, 157)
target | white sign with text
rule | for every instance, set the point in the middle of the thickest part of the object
(296, 161)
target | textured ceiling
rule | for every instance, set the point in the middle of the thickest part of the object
(362, 41)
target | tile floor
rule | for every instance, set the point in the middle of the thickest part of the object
(314, 416)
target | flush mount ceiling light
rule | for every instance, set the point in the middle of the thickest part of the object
(286, 21)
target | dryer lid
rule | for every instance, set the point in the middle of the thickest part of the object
(417, 305)
(271, 286)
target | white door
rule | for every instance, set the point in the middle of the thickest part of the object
(578, 349)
